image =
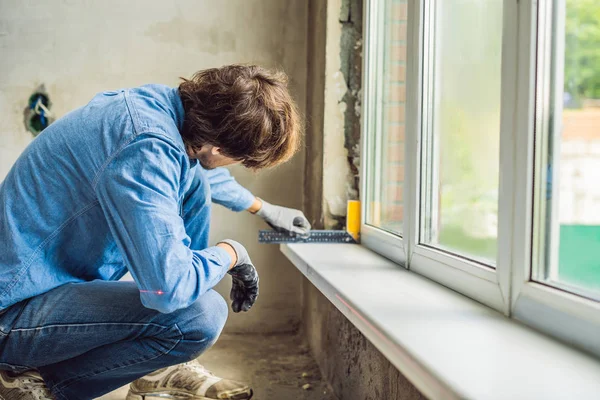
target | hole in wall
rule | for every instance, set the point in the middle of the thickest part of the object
(37, 112)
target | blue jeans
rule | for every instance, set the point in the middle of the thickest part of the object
(87, 339)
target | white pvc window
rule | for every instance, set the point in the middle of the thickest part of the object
(386, 75)
(385, 210)
(461, 132)
(500, 105)
(567, 150)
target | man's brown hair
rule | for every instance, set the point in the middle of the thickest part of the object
(245, 110)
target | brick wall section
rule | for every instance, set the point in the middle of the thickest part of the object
(392, 210)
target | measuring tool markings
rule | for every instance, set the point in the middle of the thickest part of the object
(317, 236)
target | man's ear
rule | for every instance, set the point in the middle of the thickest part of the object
(215, 150)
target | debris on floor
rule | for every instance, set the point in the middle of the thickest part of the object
(279, 367)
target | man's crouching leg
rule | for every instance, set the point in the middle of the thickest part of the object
(87, 339)
(165, 340)
(190, 380)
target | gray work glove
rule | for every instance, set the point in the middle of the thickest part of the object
(244, 286)
(286, 220)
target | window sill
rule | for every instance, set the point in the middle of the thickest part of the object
(446, 344)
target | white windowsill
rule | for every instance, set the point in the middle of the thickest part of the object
(447, 345)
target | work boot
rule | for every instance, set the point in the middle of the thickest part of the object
(190, 381)
(26, 386)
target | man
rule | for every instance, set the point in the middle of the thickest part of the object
(124, 184)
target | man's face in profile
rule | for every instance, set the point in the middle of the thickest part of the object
(210, 157)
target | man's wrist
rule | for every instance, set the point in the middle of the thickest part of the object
(231, 251)
(256, 206)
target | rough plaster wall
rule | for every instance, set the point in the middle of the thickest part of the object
(351, 51)
(335, 156)
(354, 368)
(78, 48)
(343, 74)
(315, 91)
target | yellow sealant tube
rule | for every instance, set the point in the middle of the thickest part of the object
(353, 219)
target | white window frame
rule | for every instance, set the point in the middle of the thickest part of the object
(565, 315)
(381, 241)
(507, 288)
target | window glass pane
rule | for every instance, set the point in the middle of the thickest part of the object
(385, 195)
(568, 150)
(461, 138)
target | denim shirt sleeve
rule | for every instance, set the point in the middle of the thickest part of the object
(226, 191)
(139, 194)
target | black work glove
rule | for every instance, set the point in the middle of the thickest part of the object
(244, 287)
(286, 220)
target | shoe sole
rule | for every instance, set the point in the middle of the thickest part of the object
(151, 396)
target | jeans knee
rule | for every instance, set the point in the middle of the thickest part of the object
(218, 311)
(204, 319)
(200, 325)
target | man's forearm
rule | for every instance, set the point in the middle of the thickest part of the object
(226, 191)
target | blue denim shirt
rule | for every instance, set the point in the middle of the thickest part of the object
(100, 192)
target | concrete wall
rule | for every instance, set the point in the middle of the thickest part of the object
(315, 112)
(354, 368)
(336, 169)
(80, 47)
